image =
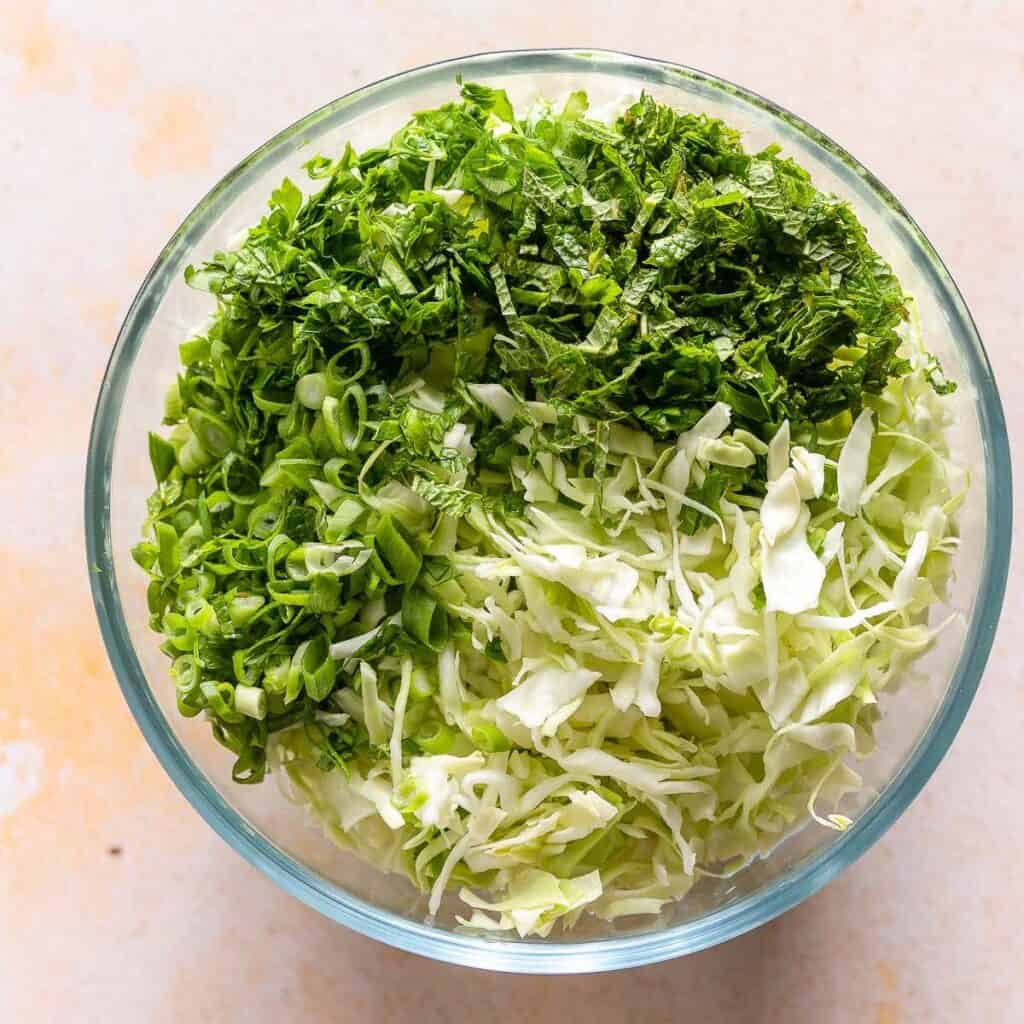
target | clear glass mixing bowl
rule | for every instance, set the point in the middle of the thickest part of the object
(920, 720)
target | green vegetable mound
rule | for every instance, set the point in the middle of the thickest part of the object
(547, 501)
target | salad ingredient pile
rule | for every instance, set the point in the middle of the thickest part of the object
(549, 502)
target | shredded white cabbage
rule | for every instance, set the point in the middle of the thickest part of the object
(853, 464)
(665, 702)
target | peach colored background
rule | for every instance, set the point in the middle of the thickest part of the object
(116, 902)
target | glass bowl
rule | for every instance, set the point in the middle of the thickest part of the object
(920, 719)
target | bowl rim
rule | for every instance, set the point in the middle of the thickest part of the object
(800, 882)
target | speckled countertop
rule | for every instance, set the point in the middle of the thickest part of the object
(117, 903)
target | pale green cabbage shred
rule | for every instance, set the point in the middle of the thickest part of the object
(676, 704)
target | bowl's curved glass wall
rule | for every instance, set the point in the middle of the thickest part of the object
(920, 718)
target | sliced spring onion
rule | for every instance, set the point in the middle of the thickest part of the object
(424, 619)
(400, 562)
(251, 701)
(436, 737)
(214, 433)
(311, 390)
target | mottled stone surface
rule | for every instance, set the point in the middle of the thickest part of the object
(117, 903)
